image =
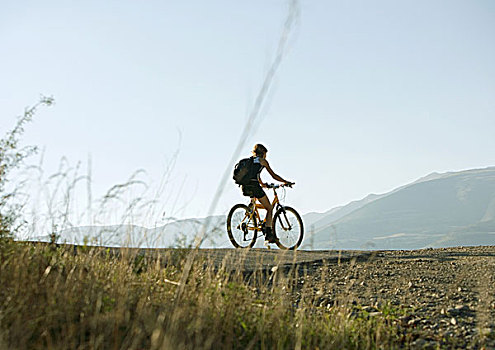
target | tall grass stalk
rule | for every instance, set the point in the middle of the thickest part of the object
(250, 125)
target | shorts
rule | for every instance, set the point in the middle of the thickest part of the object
(253, 190)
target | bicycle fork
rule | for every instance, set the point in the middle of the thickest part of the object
(283, 218)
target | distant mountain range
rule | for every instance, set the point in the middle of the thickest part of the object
(438, 210)
(179, 233)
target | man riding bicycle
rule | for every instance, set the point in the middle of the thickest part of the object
(253, 187)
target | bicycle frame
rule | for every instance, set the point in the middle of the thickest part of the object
(256, 205)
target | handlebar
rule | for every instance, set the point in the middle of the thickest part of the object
(275, 186)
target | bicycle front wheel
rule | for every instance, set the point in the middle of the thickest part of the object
(288, 228)
(241, 226)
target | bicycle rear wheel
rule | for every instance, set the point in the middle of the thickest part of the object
(241, 226)
(288, 228)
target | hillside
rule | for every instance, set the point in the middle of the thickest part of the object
(179, 233)
(436, 211)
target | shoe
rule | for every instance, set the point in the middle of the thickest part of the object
(269, 236)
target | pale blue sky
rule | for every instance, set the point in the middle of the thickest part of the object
(372, 94)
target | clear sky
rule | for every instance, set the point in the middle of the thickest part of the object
(371, 95)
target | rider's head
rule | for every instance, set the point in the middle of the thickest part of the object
(259, 150)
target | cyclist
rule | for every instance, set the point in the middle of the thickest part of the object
(253, 188)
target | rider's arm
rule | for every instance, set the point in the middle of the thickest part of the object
(264, 162)
(261, 182)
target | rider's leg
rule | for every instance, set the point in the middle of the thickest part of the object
(265, 202)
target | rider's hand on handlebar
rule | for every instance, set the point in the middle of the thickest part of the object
(288, 183)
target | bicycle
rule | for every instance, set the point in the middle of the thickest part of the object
(244, 223)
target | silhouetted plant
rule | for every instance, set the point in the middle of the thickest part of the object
(11, 157)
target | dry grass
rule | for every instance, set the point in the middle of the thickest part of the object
(54, 298)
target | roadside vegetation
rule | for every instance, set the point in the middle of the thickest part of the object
(65, 297)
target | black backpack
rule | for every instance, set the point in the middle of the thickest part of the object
(243, 171)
